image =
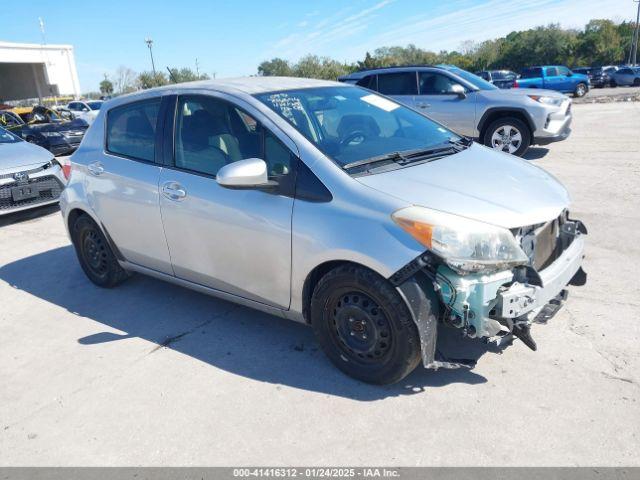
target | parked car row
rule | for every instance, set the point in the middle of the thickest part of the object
(45, 127)
(560, 78)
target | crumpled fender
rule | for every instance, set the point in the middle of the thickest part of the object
(417, 294)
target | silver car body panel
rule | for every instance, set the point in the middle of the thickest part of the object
(478, 183)
(214, 239)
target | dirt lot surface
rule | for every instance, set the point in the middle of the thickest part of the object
(153, 374)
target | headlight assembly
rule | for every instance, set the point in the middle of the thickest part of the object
(467, 246)
(547, 100)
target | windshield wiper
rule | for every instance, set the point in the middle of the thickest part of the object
(408, 156)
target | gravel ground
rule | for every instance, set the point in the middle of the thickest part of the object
(153, 374)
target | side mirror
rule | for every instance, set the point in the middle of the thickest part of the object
(570, 74)
(85, 109)
(249, 173)
(458, 90)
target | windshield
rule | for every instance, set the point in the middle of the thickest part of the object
(8, 137)
(473, 79)
(94, 105)
(349, 124)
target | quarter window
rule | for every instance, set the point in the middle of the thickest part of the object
(131, 130)
(403, 83)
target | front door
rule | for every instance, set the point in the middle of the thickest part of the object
(123, 181)
(438, 100)
(234, 240)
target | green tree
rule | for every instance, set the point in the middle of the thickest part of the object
(149, 80)
(186, 75)
(106, 87)
(276, 67)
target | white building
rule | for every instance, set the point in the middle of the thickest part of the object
(37, 71)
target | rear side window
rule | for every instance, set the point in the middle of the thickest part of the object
(531, 73)
(368, 82)
(403, 83)
(131, 130)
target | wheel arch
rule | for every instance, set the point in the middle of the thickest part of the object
(77, 212)
(314, 276)
(494, 114)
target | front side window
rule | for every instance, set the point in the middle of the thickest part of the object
(349, 124)
(551, 71)
(131, 130)
(432, 83)
(403, 83)
(211, 133)
(564, 71)
(94, 105)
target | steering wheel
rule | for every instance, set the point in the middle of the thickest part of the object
(351, 137)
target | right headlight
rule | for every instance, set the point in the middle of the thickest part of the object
(467, 246)
(547, 100)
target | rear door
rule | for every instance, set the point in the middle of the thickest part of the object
(402, 86)
(234, 240)
(122, 182)
(438, 100)
(553, 80)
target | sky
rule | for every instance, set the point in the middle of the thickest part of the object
(230, 38)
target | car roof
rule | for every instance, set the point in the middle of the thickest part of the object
(398, 68)
(249, 85)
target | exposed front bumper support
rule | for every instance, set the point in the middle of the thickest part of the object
(520, 299)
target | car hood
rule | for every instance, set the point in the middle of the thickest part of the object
(15, 157)
(521, 92)
(478, 183)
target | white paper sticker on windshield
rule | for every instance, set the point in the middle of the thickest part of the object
(380, 102)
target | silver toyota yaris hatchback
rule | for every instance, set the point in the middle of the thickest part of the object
(327, 204)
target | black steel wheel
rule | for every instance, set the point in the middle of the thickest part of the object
(360, 327)
(95, 255)
(364, 326)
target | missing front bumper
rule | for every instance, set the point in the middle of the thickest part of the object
(495, 306)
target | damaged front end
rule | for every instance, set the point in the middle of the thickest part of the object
(496, 306)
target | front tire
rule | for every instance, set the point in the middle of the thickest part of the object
(636, 82)
(509, 135)
(95, 255)
(364, 326)
(581, 90)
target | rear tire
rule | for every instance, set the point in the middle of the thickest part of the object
(581, 90)
(499, 132)
(364, 326)
(95, 255)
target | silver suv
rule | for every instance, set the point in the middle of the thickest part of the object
(508, 120)
(326, 204)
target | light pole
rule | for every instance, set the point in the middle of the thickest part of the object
(636, 34)
(149, 43)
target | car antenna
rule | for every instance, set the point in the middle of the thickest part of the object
(171, 75)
